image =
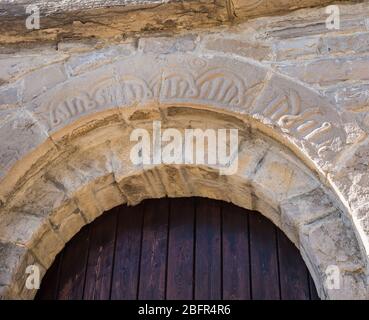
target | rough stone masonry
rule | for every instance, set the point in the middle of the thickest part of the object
(298, 92)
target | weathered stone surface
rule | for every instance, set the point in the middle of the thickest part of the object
(18, 257)
(8, 97)
(296, 91)
(280, 179)
(112, 18)
(175, 181)
(351, 174)
(33, 232)
(13, 67)
(254, 50)
(39, 199)
(335, 246)
(86, 201)
(47, 245)
(138, 187)
(304, 209)
(302, 114)
(4, 292)
(20, 134)
(110, 196)
(20, 227)
(329, 71)
(168, 45)
(12, 256)
(47, 78)
(67, 221)
(84, 62)
(94, 171)
(83, 95)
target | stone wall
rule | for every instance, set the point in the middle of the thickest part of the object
(298, 93)
(114, 20)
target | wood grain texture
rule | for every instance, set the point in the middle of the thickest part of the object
(186, 248)
(294, 276)
(264, 259)
(208, 250)
(236, 262)
(100, 258)
(154, 250)
(181, 250)
(73, 267)
(127, 253)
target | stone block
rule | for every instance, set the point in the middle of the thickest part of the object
(250, 49)
(46, 245)
(109, 196)
(19, 135)
(276, 179)
(304, 209)
(76, 98)
(47, 78)
(9, 97)
(67, 221)
(13, 257)
(162, 45)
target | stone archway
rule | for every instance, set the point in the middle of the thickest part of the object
(71, 149)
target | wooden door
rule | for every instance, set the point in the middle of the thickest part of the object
(187, 248)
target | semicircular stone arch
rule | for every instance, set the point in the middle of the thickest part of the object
(71, 148)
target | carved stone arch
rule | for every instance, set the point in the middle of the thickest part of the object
(78, 164)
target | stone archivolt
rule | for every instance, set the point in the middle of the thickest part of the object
(64, 157)
(217, 86)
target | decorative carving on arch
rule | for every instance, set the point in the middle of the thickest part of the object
(91, 173)
(308, 120)
(71, 119)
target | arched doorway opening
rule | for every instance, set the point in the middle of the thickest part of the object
(183, 248)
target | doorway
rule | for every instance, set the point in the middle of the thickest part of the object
(183, 248)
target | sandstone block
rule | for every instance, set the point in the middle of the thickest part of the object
(276, 179)
(80, 96)
(9, 97)
(19, 134)
(47, 78)
(334, 245)
(67, 221)
(304, 209)
(12, 257)
(47, 245)
(162, 45)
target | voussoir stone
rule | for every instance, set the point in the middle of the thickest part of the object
(296, 91)
(19, 134)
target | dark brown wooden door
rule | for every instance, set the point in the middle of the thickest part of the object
(188, 248)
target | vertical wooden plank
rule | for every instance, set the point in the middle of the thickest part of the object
(208, 250)
(127, 253)
(154, 250)
(294, 277)
(264, 260)
(313, 292)
(181, 249)
(73, 267)
(236, 264)
(100, 259)
(49, 284)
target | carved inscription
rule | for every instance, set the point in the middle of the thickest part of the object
(105, 94)
(82, 102)
(216, 86)
(177, 85)
(285, 110)
(133, 90)
(213, 86)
